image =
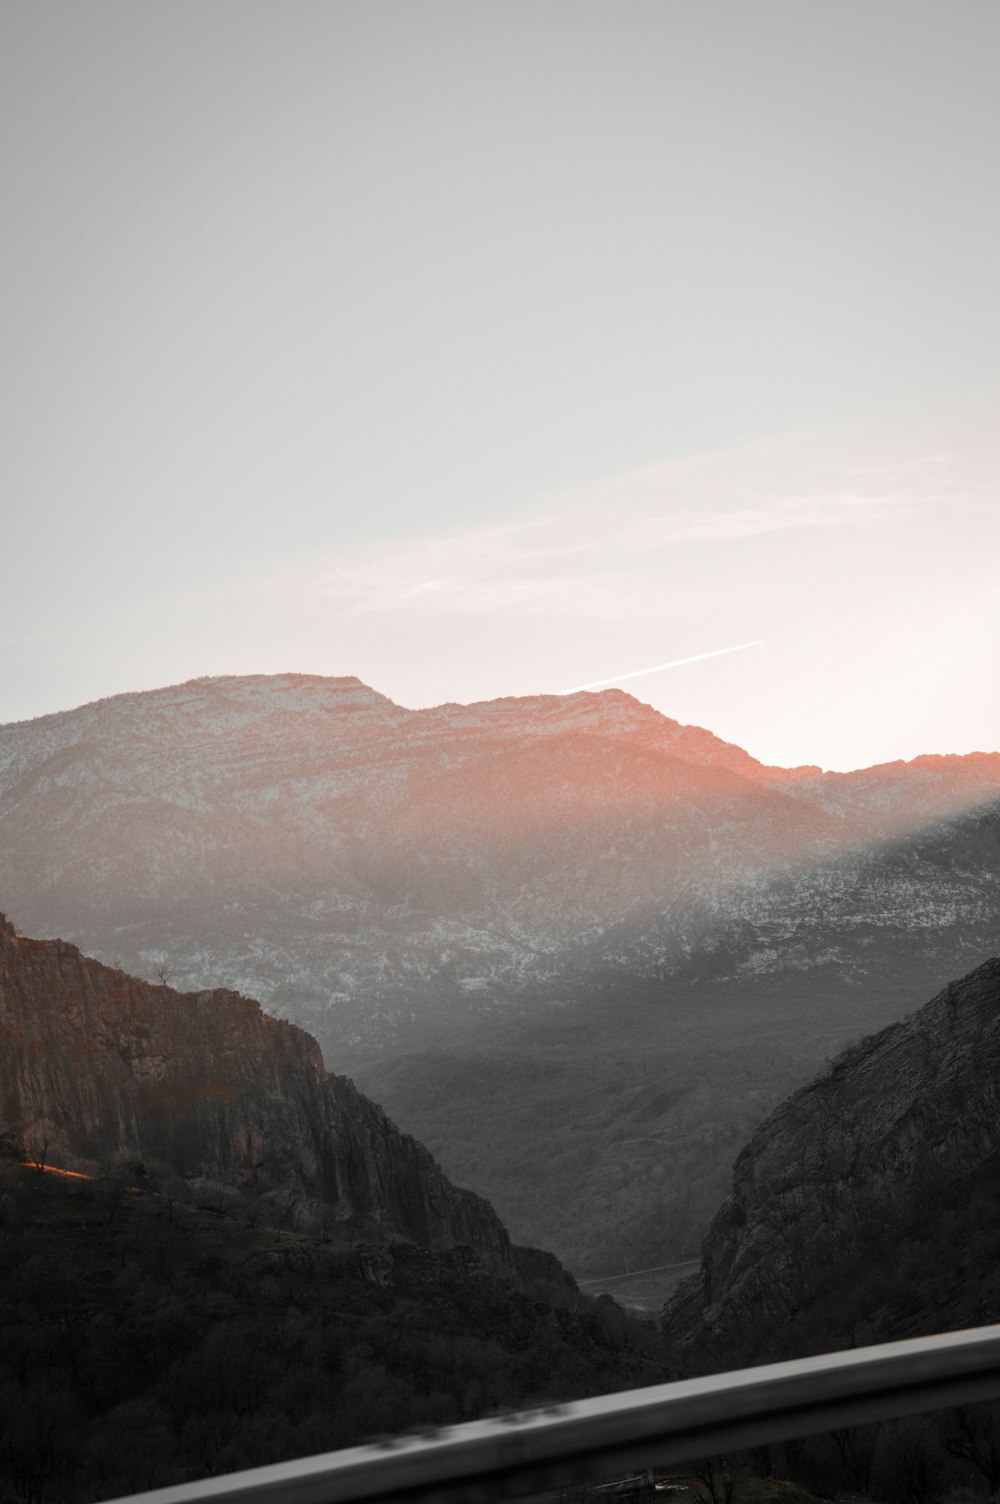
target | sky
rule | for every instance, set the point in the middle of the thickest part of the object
(494, 347)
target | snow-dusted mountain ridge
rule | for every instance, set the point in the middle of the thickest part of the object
(343, 857)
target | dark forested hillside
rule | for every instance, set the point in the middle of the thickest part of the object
(146, 1341)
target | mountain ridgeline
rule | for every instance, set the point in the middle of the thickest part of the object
(380, 874)
(867, 1207)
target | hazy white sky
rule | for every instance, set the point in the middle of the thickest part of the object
(485, 348)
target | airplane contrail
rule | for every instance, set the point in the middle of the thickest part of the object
(637, 673)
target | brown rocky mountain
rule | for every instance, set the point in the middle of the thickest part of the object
(867, 1207)
(96, 1066)
(492, 914)
(380, 874)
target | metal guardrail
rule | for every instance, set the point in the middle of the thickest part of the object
(533, 1453)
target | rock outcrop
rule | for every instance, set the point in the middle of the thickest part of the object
(868, 1205)
(97, 1065)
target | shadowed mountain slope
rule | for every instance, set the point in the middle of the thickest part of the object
(867, 1207)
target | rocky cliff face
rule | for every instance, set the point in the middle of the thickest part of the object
(94, 1064)
(868, 1205)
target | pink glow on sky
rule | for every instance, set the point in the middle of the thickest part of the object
(478, 350)
(871, 582)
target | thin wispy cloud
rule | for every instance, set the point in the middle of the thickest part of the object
(598, 552)
(861, 563)
(388, 586)
(785, 515)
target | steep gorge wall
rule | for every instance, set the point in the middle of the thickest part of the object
(868, 1205)
(97, 1063)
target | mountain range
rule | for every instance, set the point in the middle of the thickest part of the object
(494, 914)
